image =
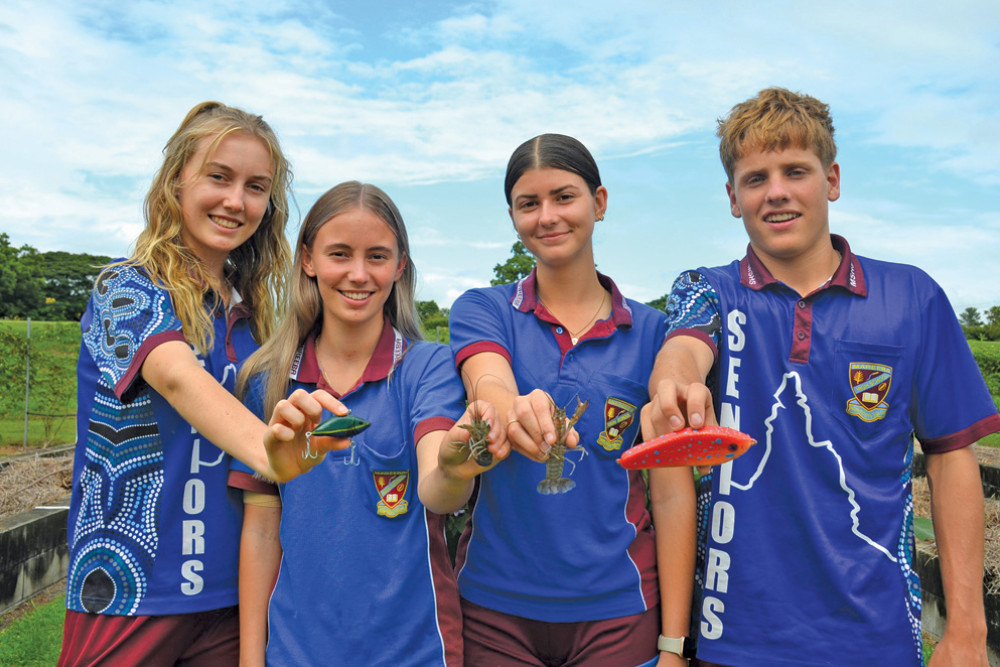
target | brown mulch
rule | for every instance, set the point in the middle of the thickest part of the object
(33, 481)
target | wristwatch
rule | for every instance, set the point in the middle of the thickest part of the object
(682, 646)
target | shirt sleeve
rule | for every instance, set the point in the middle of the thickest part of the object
(693, 309)
(953, 406)
(130, 317)
(476, 324)
(438, 396)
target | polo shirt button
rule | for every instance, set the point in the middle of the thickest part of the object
(802, 304)
(559, 330)
(801, 335)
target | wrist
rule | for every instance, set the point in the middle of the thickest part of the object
(681, 646)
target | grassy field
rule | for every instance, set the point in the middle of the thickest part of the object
(52, 396)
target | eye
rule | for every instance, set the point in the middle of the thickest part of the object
(527, 205)
(258, 188)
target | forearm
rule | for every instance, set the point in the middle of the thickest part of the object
(260, 556)
(674, 505)
(958, 514)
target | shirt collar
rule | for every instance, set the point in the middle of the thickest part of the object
(389, 351)
(754, 274)
(525, 299)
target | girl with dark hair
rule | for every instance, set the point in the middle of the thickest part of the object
(153, 527)
(363, 572)
(558, 564)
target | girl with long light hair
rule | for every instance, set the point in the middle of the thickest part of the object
(153, 528)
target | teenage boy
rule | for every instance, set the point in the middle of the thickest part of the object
(833, 363)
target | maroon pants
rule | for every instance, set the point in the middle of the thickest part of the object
(495, 639)
(208, 638)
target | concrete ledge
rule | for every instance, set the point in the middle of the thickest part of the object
(33, 553)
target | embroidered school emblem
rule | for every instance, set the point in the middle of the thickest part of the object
(391, 487)
(618, 416)
(870, 384)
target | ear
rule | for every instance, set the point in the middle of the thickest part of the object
(601, 201)
(307, 262)
(833, 182)
(734, 206)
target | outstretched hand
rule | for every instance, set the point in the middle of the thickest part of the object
(288, 452)
(531, 427)
(454, 455)
(675, 406)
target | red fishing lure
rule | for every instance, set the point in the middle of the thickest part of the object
(706, 446)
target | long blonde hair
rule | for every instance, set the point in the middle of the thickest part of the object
(257, 269)
(305, 310)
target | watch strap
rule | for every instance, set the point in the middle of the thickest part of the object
(672, 645)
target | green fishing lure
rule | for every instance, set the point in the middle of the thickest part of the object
(341, 427)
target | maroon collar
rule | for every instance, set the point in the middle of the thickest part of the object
(754, 274)
(389, 351)
(526, 300)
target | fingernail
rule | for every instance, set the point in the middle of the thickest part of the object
(675, 422)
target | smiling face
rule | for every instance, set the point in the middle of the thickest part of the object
(224, 195)
(783, 197)
(356, 261)
(554, 212)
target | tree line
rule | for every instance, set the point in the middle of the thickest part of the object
(51, 286)
(55, 286)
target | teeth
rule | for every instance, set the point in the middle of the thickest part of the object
(781, 217)
(355, 295)
(228, 224)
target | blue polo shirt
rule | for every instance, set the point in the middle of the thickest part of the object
(153, 527)
(587, 554)
(809, 554)
(365, 572)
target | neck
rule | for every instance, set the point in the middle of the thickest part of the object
(343, 351)
(567, 287)
(805, 273)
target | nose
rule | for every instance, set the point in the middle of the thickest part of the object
(776, 190)
(547, 212)
(357, 272)
(234, 198)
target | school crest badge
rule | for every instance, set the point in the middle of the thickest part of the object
(618, 416)
(870, 385)
(391, 486)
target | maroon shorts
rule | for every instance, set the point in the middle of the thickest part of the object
(206, 638)
(501, 640)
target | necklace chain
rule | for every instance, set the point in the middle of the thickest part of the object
(593, 318)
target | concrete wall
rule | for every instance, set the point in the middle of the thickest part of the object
(33, 553)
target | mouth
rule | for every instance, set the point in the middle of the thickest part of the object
(780, 217)
(356, 296)
(225, 223)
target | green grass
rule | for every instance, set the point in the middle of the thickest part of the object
(34, 639)
(55, 346)
(987, 354)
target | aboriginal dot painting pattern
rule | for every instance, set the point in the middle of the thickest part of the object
(904, 556)
(694, 304)
(115, 535)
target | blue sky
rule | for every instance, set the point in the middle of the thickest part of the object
(428, 99)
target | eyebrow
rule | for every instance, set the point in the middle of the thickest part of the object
(267, 178)
(553, 191)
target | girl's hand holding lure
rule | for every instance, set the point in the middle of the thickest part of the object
(289, 451)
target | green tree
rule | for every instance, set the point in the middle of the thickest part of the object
(69, 279)
(970, 317)
(517, 266)
(659, 304)
(993, 316)
(433, 321)
(20, 285)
